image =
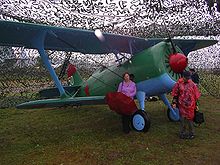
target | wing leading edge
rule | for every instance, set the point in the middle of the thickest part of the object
(18, 34)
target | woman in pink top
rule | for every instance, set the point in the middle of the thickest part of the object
(128, 88)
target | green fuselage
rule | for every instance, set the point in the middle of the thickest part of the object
(145, 65)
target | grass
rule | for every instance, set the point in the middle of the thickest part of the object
(93, 135)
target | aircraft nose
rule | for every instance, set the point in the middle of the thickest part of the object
(178, 62)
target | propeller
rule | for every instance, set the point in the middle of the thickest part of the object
(99, 35)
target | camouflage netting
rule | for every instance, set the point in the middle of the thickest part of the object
(22, 74)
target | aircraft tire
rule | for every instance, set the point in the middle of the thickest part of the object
(170, 117)
(140, 121)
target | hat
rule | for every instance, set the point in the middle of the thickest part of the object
(187, 74)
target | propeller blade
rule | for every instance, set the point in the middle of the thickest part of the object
(172, 44)
(99, 35)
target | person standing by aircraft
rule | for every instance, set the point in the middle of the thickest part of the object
(127, 87)
(185, 95)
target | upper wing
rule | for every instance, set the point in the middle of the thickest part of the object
(188, 45)
(68, 39)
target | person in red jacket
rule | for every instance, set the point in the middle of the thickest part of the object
(185, 95)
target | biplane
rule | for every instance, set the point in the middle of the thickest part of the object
(157, 63)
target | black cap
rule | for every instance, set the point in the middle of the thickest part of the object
(187, 74)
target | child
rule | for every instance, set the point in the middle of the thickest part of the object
(185, 95)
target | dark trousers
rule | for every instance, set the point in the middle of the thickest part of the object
(184, 123)
(126, 123)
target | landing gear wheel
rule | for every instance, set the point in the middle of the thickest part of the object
(171, 117)
(140, 121)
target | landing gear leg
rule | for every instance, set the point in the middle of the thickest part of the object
(172, 114)
(141, 99)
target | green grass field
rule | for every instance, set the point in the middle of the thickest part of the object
(92, 135)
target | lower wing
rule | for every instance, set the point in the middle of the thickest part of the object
(72, 101)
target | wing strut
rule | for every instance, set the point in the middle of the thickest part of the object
(123, 56)
(130, 47)
(38, 43)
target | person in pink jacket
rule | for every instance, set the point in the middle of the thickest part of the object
(127, 87)
(185, 95)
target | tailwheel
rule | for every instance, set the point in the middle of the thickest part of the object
(140, 121)
(173, 117)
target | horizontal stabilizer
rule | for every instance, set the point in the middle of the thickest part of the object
(50, 93)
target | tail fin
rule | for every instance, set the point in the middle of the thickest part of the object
(74, 76)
